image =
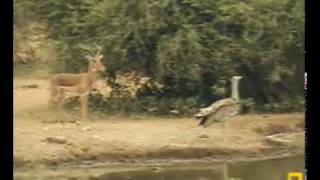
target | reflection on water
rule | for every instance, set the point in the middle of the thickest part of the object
(267, 170)
(177, 173)
(274, 169)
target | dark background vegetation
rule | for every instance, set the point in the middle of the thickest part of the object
(192, 47)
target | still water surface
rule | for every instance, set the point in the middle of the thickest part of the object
(272, 169)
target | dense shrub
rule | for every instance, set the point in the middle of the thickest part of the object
(192, 47)
(148, 105)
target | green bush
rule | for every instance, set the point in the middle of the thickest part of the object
(296, 105)
(190, 46)
(148, 105)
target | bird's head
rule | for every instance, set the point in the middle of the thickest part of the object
(203, 112)
(237, 78)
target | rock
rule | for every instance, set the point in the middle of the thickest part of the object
(174, 111)
(156, 169)
(45, 128)
(97, 137)
(295, 139)
(204, 136)
(30, 86)
(84, 148)
(152, 109)
(56, 139)
(77, 123)
(88, 128)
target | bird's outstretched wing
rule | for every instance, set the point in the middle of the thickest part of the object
(227, 111)
(221, 110)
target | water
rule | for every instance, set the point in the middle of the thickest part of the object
(275, 169)
(272, 169)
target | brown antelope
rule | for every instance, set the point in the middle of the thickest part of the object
(78, 84)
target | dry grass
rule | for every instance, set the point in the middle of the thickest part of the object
(32, 71)
(278, 128)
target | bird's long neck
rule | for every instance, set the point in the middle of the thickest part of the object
(235, 89)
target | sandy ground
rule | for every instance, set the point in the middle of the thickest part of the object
(130, 138)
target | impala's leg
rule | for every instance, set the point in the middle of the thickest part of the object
(51, 99)
(226, 128)
(84, 107)
(54, 94)
(61, 98)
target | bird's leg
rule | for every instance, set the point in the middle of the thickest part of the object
(225, 125)
(203, 121)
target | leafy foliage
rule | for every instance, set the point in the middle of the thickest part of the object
(192, 46)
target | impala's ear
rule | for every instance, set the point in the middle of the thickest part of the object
(100, 56)
(88, 57)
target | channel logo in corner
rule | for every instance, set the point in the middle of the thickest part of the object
(295, 176)
(305, 81)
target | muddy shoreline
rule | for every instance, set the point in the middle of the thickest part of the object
(163, 159)
(93, 169)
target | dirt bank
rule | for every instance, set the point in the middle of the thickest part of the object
(129, 139)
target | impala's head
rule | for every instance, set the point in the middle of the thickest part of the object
(95, 63)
